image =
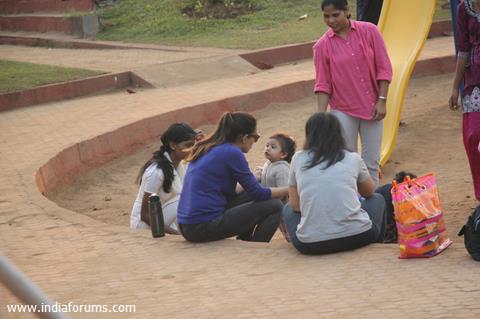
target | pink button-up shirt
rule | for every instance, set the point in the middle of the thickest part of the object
(348, 70)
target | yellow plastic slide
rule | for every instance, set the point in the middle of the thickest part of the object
(405, 25)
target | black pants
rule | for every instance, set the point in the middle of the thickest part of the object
(391, 235)
(251, 221)
(369, 10)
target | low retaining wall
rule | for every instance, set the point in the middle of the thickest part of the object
(56, 43)
(84, 156)
(440, 28)
(77, 43)
(82, 26)
(69, 90)
(268, 58)
(434, 66)
(37, 24)
(28, 6)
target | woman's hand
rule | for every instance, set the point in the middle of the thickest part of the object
(453, 100)
(380, 110)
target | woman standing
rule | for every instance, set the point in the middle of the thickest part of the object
(468, 69)
(325, 214)
(216, 164)
(163, 175)
(353, 72)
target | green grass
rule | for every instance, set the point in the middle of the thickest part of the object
(15, 76)
(441, 14)
(160, 21)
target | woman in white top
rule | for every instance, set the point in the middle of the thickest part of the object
(325, 214)
(163, 175)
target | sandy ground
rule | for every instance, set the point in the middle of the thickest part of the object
(429, 140)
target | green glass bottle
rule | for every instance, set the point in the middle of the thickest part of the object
(156, 216)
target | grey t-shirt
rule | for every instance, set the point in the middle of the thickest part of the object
(329, 202)
(275, 174)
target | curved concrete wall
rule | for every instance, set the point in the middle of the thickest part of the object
(70, 89)
(86, 155)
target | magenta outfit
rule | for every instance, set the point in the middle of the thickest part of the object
(348, 70)
(468, 42)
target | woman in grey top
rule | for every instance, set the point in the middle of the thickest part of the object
(325, 214)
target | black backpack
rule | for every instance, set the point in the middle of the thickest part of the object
(471, 233)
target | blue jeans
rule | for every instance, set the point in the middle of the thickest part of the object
(375, 208)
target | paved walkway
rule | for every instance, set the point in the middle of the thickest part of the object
(160, 66)
(77, 259)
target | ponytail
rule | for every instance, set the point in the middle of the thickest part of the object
(176, 133)
(230, 127)
(164, 164)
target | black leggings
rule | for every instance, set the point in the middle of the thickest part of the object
(251, 221)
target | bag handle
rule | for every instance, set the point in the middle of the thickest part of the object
(462, 231)
(409, 182)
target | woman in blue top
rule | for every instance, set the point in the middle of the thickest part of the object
(216, 165)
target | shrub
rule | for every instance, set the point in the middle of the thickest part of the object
(218, 9)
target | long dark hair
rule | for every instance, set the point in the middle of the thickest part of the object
(323, 138)
(230, 127)
(176, 133)
(337, 4)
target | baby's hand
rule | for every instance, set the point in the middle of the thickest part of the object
(258, 172)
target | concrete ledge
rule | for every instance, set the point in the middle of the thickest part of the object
(434, 66)
(37, 24)
(86, 155)
(268, 58)
(287, 54)
(82, 26)
(440, 28)
(28, 6)
(53, 42)
(69, 90)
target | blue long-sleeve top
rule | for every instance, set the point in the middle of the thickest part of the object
(210, 183)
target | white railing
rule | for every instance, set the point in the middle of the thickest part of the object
(25, 290)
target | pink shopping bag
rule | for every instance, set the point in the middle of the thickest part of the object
(419, 217)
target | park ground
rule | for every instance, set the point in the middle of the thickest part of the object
(77, 247)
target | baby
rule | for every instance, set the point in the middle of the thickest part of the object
(274, 173)
(278, 151)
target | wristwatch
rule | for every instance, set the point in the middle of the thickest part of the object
(383, 98)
